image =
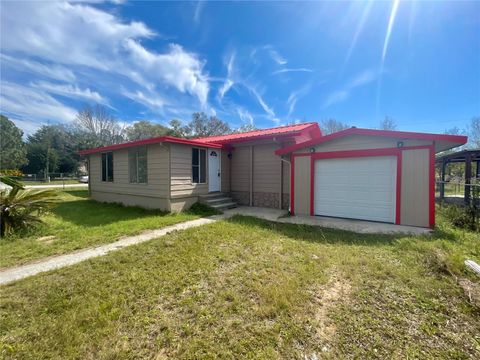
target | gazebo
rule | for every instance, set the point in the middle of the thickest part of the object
(467, 157)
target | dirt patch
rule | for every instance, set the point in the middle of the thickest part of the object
(471, 289)
(46, 239)
(326, 298)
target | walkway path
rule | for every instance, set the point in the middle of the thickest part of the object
(56, 262)
(60, 261)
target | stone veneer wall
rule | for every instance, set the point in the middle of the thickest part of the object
(261, 199)
(241, 197)
(264, 199)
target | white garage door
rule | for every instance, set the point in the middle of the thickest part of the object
(357, 188)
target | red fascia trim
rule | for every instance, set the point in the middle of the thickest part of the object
(384, 133)
(431, 193)
(292, 185)
(397, 152)
(170, 139)
(357, 153)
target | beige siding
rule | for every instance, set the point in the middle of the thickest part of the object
(181, 204)
(361, 142)
(302, 185)
(286, 178)
(266, 169)
(148, 202)
(181, 169)
(158, 174)
(240, 171)
(225, 170)
(415, 188)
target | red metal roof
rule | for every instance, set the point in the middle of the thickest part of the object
(281, 131)
(456, 139)
(160, 139)
(306, 130)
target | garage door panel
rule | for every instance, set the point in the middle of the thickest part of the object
(359, 188)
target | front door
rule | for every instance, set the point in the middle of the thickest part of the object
(214, 170)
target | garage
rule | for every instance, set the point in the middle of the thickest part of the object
(357, 188)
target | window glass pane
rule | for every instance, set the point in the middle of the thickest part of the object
(132, 165)
(110, 166)
(142, 165)
(195, 174)
(203, 166)
(194, 156)
(104, 167)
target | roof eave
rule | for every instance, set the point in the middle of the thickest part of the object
(169, 139)
(456, 140)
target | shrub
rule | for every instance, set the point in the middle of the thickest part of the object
(11, 172)
(20, 208)
(465, 217)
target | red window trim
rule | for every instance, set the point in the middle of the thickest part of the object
(398, 152)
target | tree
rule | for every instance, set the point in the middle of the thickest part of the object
(12, 148)
(144, 130)
(20, 208)
(388, 124)
(474, 132)
(52, 148)
(96, 127)
(201, 126)
(330, 126)
(177, 129)
(246, 127)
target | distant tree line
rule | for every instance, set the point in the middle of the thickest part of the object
(54, 148)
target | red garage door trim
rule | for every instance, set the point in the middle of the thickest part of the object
(368, 153)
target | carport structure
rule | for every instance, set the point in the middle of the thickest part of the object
(467, 157)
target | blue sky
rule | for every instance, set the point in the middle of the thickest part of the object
(262, 62)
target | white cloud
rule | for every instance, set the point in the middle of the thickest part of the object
(52, 71)
(245, 116)
(153, 102)
(340, 95)
(28, 104)
(79, 35)
(229, 82)
(71, 91)
(279, 59)
(198, 11)
(178, 68)
(294, 96)
(286, 70)
(262, 102)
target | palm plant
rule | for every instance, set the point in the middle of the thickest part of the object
(20, 207)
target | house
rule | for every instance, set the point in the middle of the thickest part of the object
(375, 175)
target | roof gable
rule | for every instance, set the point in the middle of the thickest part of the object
(281, 131)
(448, 141)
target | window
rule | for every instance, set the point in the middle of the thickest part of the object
(199, 166)
(137, 164)
(107, 166)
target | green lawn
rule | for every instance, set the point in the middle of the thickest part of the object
(77, 222)
(247, 288)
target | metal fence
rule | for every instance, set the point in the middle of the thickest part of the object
(51, 178)
(457, 189)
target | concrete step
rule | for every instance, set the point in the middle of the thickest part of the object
(213, 201)
(224, 206)
(212, 195)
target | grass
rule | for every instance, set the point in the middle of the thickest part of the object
(247, 288)
(77, 222)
